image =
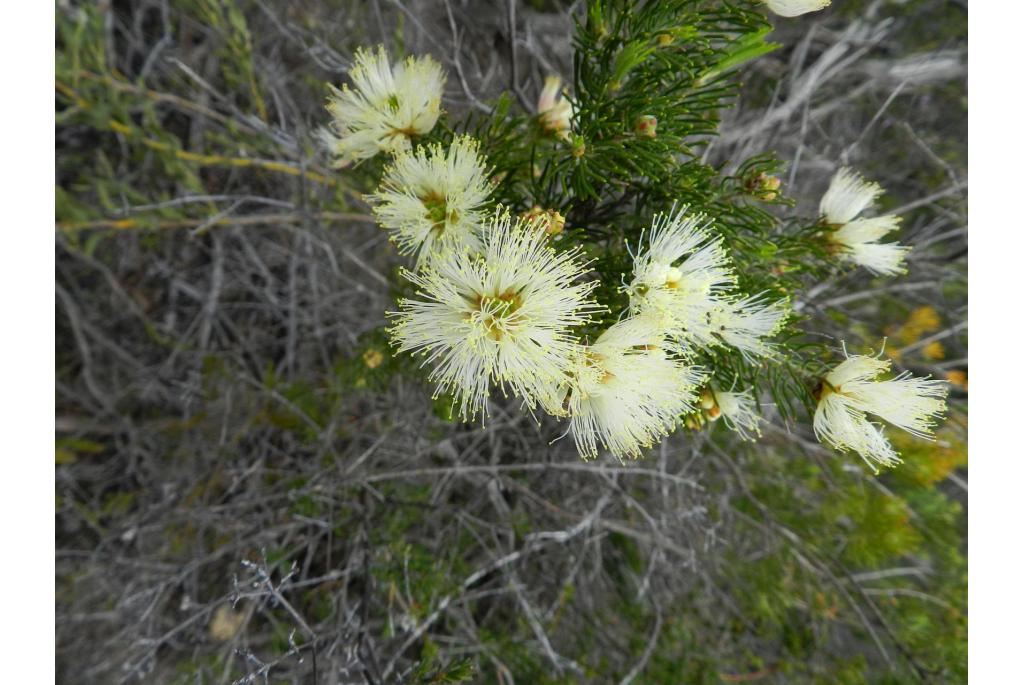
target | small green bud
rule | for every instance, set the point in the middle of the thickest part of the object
(646, 126)
(579, 146)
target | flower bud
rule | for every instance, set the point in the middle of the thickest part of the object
(769, 186)
(707, 399)
(554, 110)
(646, 126)
(549, 220)
(579, 147)
(373, 358)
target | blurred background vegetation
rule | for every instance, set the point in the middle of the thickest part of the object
(251, 489)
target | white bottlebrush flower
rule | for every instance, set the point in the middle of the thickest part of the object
(505, 316)
(685, 279)
(682, 276)
(858, 244)
(431, 199)
(794, 8)
(554, 110)
(747, 323)
(851, 391)
(386, 107)
(737, 409)
(856, 240)
(847, 196)
(625, 391)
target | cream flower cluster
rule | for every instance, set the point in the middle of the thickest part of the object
(498, 307)
(855, 240)
(507, 316)
(684, 278)
(504, 312)
(387, 107)
(852, 391)
(432, 199)
(794, 8)
(502, 316)
(626, 391)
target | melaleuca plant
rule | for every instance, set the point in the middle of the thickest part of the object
(584, 257)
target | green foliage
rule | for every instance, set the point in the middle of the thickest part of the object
(228, 20)
(838, 544)
(430, 670)
(138, 154)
